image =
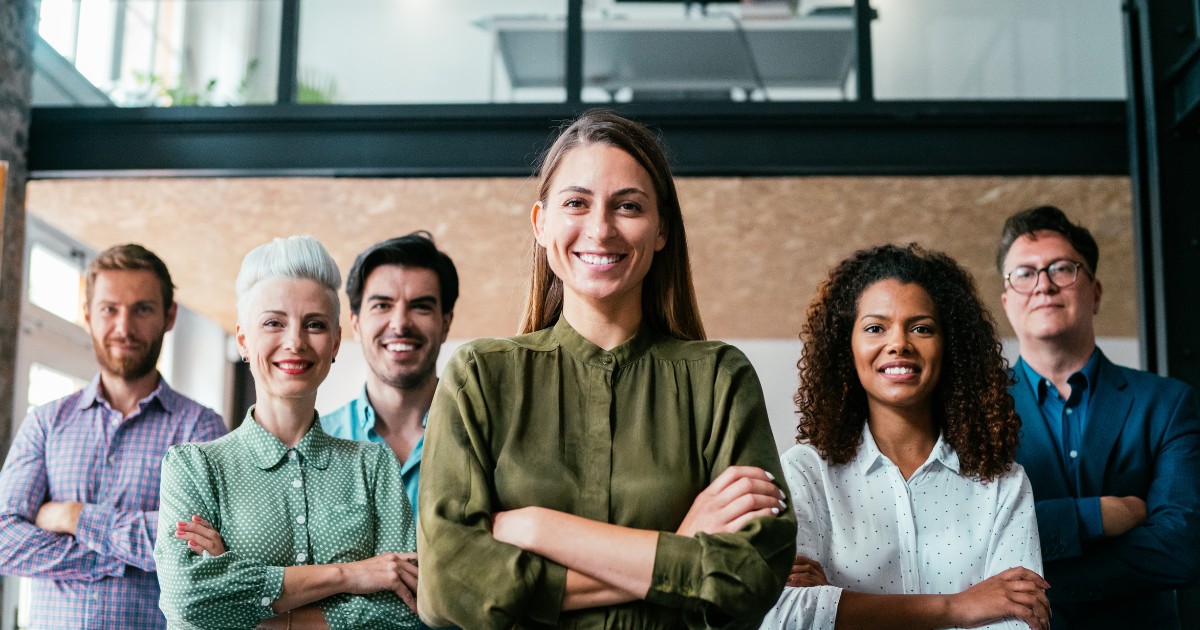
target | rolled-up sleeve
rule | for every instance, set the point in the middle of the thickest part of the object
(227, 591)
(467, 578)
(730, 580)
(27, 550)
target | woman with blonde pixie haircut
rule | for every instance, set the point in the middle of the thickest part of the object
(278, 525)
(607, 468)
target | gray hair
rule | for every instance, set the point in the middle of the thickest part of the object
(299, 257)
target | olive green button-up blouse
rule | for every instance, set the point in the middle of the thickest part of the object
(325, 501)
(630, 437)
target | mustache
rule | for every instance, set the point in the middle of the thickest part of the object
(133, 341)
(404, 334)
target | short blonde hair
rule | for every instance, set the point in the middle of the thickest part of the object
(299, 257)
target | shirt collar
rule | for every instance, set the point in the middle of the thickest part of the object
(366, 415)
(268, 451)
(869, 458)
(166, 397)
(1084, 380)
(589, 352)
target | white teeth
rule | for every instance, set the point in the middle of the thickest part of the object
(400, 347)
(898, 370)
(594, 259)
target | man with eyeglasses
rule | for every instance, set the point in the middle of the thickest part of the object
(1113, 453)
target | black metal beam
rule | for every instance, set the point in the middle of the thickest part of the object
(864, 72)
(1163, 48)
(574, 68)
(1164, 114)
(289, 52)
(879, 138)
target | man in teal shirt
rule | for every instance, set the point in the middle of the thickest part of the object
(402, 293)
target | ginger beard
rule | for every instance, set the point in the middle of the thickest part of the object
(127, 357)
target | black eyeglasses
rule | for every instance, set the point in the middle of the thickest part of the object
(1061, 273)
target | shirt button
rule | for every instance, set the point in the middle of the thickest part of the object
(116, 421)
(300, 519)
(608, 360)
(1074, 454)
(296, 483)
(266, 601)
(301, 557)
(291, 454)
(1070, 411)
(111, 459)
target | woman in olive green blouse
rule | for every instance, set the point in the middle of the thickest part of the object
(278, 524)
(608, 468)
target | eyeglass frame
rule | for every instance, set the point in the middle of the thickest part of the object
(1037, 275)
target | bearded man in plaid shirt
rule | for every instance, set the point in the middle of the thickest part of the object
(79, 489)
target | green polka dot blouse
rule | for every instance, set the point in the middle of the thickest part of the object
(325, 501)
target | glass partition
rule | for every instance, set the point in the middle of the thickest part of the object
(1016, 49)
(137, 53)
(427, 51)
(763, 50)
(227, 52)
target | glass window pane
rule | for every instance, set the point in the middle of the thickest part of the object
(426, 51)
(1016, 49)
(55, 283)
(721, 50)
(47, 384)
(157, 52)
(24, 601)
(56, 25)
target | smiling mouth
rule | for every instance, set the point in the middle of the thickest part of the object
(897, 370)
(399, 346)
(599, 259)
(293, 367)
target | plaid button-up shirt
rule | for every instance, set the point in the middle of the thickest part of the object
(79, 448)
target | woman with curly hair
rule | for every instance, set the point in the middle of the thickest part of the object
(911, 512)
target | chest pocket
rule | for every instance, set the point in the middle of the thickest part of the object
(343, 532)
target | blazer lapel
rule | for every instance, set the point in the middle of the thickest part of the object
(1108, 409)
(1042, 459)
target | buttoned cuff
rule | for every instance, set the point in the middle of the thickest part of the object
(272, 589)
(1091, 520)
(676, 571)
(95, 523)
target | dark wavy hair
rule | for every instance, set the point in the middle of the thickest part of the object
(973, 408)
(1028, 222)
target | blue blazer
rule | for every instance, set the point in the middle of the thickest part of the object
(1142, 438)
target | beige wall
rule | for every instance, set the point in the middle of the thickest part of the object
(759, 246)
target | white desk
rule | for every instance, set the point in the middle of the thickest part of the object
(697, 54)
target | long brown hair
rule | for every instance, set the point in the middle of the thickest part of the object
(668, 298)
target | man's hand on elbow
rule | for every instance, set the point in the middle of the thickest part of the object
(1121, 514)
(61, 517)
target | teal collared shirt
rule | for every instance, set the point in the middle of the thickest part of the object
(356, 421)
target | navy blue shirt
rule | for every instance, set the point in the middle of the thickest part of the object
(1067, 419)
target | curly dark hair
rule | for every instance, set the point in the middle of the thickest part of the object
(973, 408)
